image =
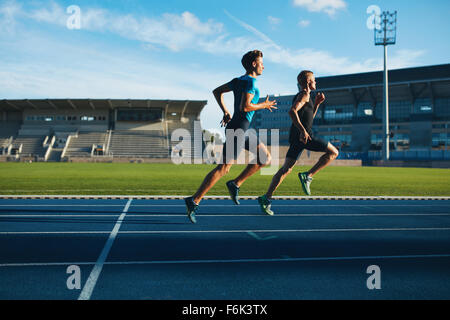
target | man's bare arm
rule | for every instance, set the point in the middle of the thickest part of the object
(293, 112)
(319, 99)
(247, 105)
(218, 94)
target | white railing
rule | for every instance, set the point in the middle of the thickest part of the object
(19, 151)
(8, 152)
(67, 143)
(7, 146)
(108, 142)
(50, 148)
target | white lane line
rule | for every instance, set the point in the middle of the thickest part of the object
(286, 259)
(222, 231)
(95, 273)
(223, 215)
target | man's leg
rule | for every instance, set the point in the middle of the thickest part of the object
(234, 185)
(210, 180)
(294, 152)
(278, 178)
(265, 201)
(251, 169)
(331, 153)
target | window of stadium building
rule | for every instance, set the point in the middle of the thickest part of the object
(376, 139)
(401, 140)
(87, 118)
(399, 110)
(441, 140)
(365, 109)
(339, 141)
(423, 106)
(146, 115)
(338, 113)
(442, 107)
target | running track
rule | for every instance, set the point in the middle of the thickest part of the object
(141, 248)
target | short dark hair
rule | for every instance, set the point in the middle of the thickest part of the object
(303, 77)
(249, 58)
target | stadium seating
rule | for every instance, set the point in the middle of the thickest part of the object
(31, 145)
(138, 144)
(81, 144)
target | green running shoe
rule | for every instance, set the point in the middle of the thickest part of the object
(265, 205)
(191, 209)
(305, 181)
(233, 189)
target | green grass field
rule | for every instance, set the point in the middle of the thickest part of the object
(170, 179)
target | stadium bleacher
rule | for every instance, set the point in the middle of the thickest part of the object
(139, 144)
(94, 130)
(80, 145)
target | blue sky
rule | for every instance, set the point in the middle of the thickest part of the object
(183, 49)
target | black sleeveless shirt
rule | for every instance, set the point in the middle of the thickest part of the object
(306, 116)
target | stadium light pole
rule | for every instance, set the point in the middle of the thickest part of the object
(386, 34)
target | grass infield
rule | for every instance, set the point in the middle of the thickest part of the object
(170, 179)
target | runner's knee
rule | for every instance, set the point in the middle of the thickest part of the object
(223, 169)
(263, 157)
(333, 153)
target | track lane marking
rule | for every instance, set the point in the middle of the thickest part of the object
(95, 273)
(136, 215)
(224, 231)
(284, 259)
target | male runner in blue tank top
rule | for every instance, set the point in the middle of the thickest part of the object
(246, 97)
(302, 114)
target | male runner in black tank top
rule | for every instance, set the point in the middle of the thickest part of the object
(302, 114)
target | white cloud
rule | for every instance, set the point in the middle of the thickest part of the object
(273, 20)
(175, 32)
(321, 61)
(54, 15)
(253, 30)
(330, 7)
(304, 23)
(8, 12)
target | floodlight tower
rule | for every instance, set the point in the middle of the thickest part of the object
(386, 34)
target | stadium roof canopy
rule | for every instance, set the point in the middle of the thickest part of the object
(404, 84)
(178, 106)
(398, 76)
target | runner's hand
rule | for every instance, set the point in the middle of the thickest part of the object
(320, 97)
(270, 104)
(305, 137)
(226, 118)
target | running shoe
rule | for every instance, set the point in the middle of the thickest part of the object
(191, 209)
(265, 205)
(233, 189)
(305, 181)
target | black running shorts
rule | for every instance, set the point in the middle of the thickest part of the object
(315, 144)
(239, 146)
